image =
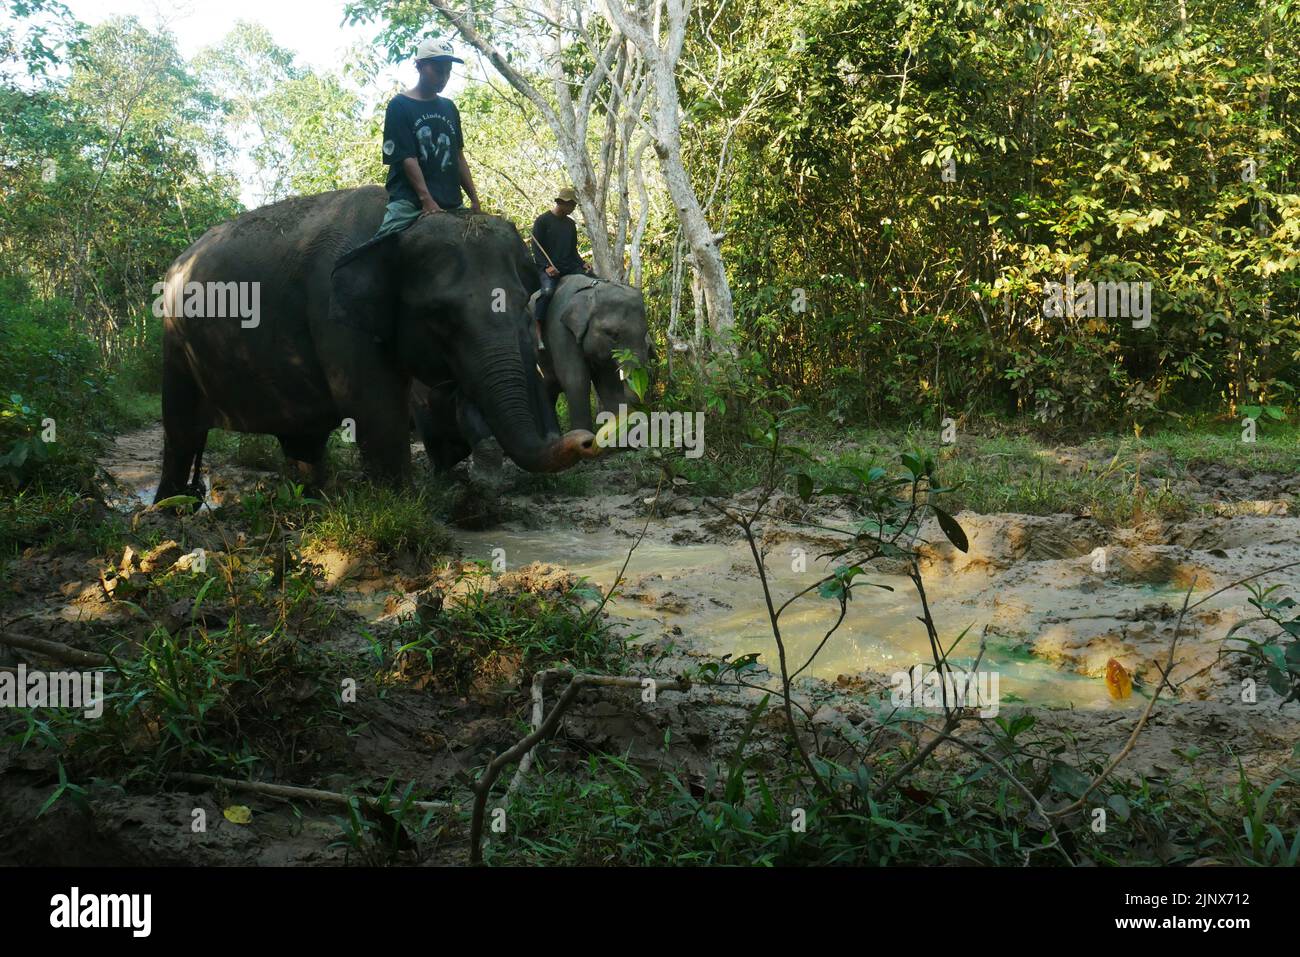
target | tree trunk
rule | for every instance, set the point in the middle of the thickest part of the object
(661, 58)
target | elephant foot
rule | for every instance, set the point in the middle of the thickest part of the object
(198, 488)
(488, 458)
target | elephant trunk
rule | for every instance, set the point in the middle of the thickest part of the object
(508, 400)
(614, 392)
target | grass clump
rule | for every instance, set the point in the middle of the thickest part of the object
(380, 520)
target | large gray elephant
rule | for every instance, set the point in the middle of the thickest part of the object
(587, 322)
(443, 301)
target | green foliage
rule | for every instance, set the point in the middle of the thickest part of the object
(1279, 654)
(57, 402)
(743, 814)
(1101, 140)
(489, 632)
(306, 132)
(377, 829)
(380, 519)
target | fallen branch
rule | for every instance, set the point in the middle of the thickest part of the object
(542, 729)
(299, 794)
(57, 650)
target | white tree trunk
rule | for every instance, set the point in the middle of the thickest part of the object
(660, 45)
(568, 120)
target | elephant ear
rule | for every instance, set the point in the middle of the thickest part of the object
(576, 314)
(362, 290)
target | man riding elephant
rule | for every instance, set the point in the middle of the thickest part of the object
(424, 145)
(555, 249)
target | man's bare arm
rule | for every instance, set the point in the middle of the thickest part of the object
(467, 181)
(415, 176)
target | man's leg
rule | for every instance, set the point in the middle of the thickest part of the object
(544, 299)
(399, 214)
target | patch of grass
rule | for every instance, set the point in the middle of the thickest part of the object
(1276, 448)
(609, 811)
(57, 519)
(136, 410)
(489, 632)
(1106, 479)
(381, 520)
(341, 454)
(226, 684)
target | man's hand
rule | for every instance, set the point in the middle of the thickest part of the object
(552, 271)
(474, 207)
(429, 205)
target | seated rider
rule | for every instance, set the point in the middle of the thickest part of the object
(555, 249)
(424, 145)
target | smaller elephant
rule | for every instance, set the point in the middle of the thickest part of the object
(587, 322)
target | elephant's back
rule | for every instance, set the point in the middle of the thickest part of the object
(597, 295)
(279, 259)
(288, 248)
(288, 237)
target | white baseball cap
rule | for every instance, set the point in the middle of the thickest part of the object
(432, 49)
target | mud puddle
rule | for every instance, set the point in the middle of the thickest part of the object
(1054, 597)
(712, 594)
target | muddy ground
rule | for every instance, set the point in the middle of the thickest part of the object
(1055, 598)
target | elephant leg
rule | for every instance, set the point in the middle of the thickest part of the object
(444, 448)
(577, 392)
(422, 422)
(184, 434)
(435, 415)
(196, 486)
(384, 437)
(306, 458)
(445, 455)
(567, 372)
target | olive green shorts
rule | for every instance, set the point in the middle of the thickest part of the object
(400, 214)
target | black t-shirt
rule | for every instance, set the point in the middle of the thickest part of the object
(430, 131)
(558, 235)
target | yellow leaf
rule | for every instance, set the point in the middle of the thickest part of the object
(1118, 681)
(239, 814)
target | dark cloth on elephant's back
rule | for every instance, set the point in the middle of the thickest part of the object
(430, 131)
(558, 236)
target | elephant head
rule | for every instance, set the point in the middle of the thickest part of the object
(459, 285)
(617, 323)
